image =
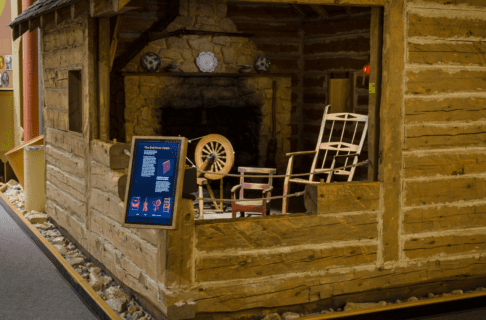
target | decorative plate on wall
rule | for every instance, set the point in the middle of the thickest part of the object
(206, 62)
(150, 62)
(262, 64)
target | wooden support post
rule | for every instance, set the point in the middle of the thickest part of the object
(114, 41)
(104, 77)
(221, 194)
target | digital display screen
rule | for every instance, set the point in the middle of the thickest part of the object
(153, 182)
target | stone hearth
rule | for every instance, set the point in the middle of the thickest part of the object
(152, 103)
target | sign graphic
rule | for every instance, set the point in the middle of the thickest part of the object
(372, 88)
(155, 181)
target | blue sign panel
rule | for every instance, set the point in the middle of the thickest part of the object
(153, 189)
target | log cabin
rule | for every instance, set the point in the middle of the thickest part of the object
(411, 224)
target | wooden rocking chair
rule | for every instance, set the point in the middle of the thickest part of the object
(341, 123)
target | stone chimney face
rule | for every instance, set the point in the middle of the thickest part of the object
(203, 15)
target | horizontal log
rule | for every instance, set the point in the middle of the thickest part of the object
(445, 110)
(444, 218)
(441, 136)
(358, 3)
(65, 200)
(225, 267)
(57, 119)
(260, 11)
(418, 193)
(57, 99)
(69, 142)
(318, 81)
(442, 27)
(65, 38)
(292, 289)
(63, 58)
(465, 54)
(338, 26)
(446, 245)
(278, 48)
(444, 164)
(56, 79)
(139, 252)
(325, 64)
(72, 185)
(348, 197)
(104, 178)
(64, 161)
(448, 4)
(247, 234)
(427, 82)
(286, 64)
(107, 204)
(356, 44)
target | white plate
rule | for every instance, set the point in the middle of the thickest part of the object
(206, 62)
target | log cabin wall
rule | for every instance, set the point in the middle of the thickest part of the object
(338, 44)
(444, 120)
(277, 34)
(64, 48)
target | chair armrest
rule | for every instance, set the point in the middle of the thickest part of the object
(235, 188)
(268, 189)
(347, 155)
(300, 152)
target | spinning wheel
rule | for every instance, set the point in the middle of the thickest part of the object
(222, 151)
(214, 153)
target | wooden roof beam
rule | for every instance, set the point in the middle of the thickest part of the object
(46, 18)
(110, 8)
(320, 10)
(16, 32)
(62, 14)
(78, 8)
(24, 27)
(114, 40)
(34, 23)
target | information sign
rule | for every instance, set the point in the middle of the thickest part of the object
(155, 177)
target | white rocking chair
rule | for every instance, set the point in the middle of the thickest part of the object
(350, 123)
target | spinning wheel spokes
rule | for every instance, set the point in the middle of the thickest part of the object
(218, 146)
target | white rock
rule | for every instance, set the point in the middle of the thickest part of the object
(36, 217)
(49, 225)
(12, 183)
(89, 264)
(60, 248)
(94, 270)
(412, 299)
(71, 247)
(119, 305)
(290, 315)
(59, 241)
(40, 226)
(96, 281)
(114, 292)
(75, 261)
(106, 280)
(457, 292)
(430, 296)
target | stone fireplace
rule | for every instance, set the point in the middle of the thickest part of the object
(238, 108)
(193, 104)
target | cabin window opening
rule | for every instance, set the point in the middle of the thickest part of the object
(75, 101)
